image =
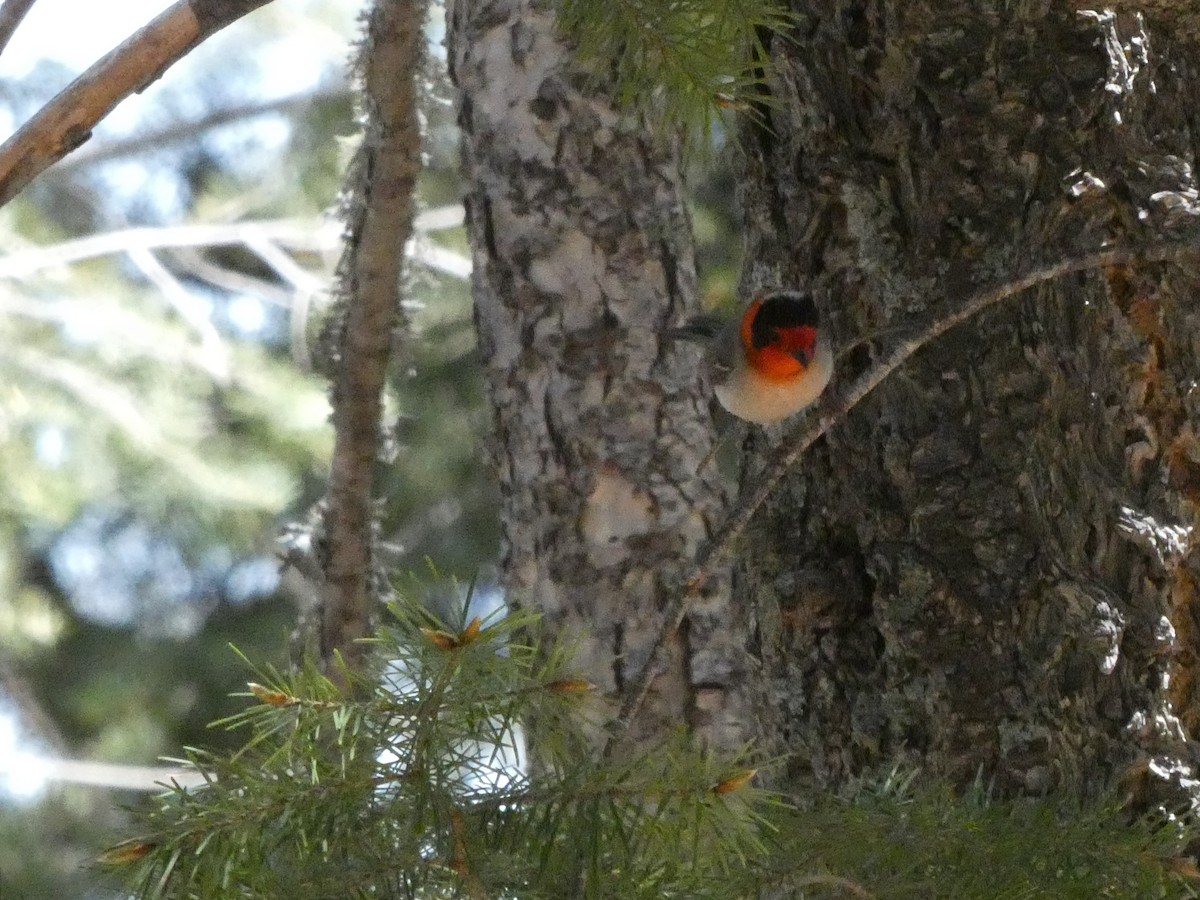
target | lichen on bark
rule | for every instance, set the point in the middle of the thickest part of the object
(582, 257)
(947, 580)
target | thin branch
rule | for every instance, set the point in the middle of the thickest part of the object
(11, 14)
(113, 776)
(194, 313)
(439, 259)
(193, 263)
(66, 122)
(383, 182)
(306, 235)
(713, 553)
(181, 131)
(284, 266)
(300, 234)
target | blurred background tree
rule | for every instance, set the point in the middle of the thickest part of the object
(160, 424)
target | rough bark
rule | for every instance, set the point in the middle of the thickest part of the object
(582, 254)
(66, 122)
(976, 571)
(379, 223)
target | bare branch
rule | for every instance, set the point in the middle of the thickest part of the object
(66, 122)
(181, 131)
(190, 310)
(714, 552)
(11, 14)
(380, 224)
(308, 235)
(298, 233)
(198, 266)
(284, 266)
(113, 776)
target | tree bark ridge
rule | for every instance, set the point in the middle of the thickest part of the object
(945, 580)
(582, 254)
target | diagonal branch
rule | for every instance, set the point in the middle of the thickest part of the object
(67, 121)
(180, 132)
(714, 552)
(11, 14)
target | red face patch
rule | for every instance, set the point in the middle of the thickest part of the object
(785, 354)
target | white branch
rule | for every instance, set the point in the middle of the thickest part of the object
(298, 234)
(284, 266)
(213, 350)
(30, 767)
(302, 234)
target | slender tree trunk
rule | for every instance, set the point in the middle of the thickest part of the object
(976, 571)
(358, 338)
(582, 253)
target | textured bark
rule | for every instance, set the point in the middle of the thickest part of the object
(379, 224)
(974, 571)
(582, 255)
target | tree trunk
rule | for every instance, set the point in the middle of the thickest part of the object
(977, 570)
(582, 253)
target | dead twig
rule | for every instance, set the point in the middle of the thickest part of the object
(66, 122)
(713, 553)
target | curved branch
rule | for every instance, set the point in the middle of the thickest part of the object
(714, 552)
(309, 235)
(66, 122)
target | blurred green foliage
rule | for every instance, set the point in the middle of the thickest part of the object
(160, 423)
(416, 789)
(911, 840)
(153, 446)
(421, 787)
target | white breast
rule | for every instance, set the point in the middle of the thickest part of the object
(750, 396)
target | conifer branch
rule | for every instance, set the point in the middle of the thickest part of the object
(407, 791)
(66, 122)
(835, 409)
(419, 781)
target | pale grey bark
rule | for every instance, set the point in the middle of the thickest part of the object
(978, 570)
(582, 254)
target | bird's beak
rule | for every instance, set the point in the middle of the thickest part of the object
(804, 356)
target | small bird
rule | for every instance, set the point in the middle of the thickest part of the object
(771, 364)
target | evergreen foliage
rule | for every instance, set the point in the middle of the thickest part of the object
(426, 787)
(468, 769)
(677, 61)
(924, 843)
